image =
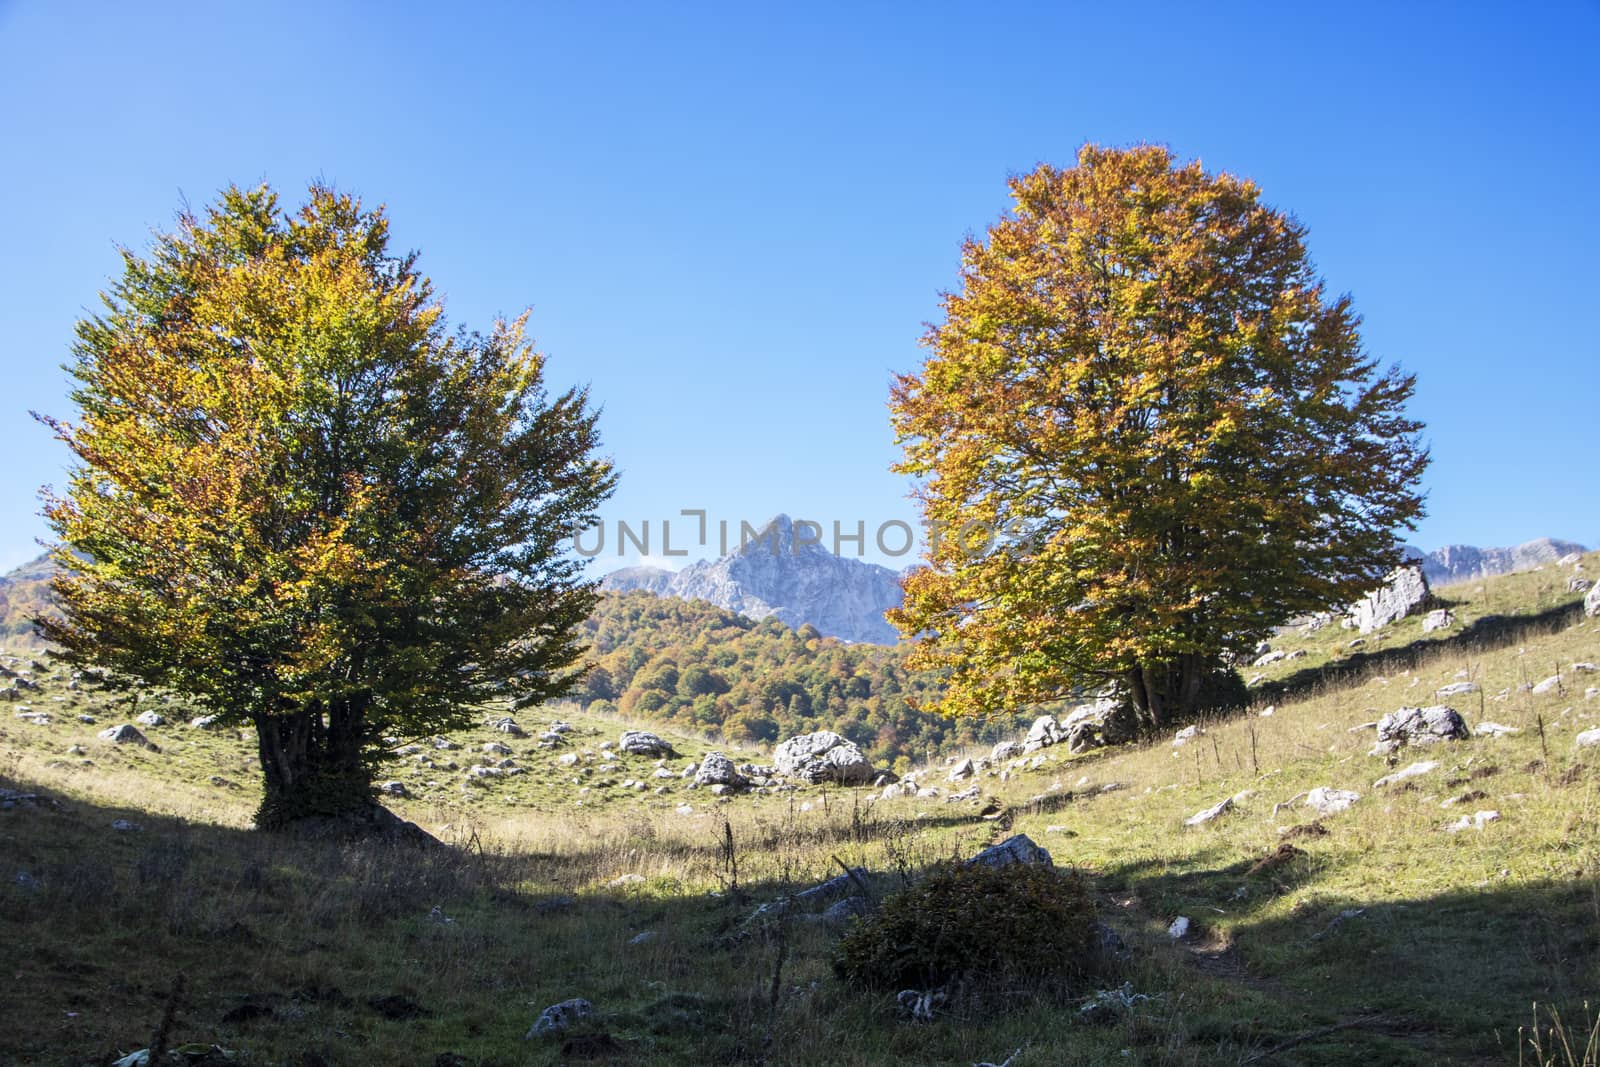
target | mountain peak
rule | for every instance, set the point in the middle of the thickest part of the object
(785, 569)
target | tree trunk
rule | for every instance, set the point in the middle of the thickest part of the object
(311, 760)
(1169, 691)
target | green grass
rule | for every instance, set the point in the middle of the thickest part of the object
(1459, 934)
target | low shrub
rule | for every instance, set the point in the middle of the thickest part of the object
(975, 925)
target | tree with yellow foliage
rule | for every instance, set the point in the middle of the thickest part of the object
(1145, 434)
(301, 502)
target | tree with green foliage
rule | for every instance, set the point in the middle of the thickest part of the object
(1146, 434)
(301, 502)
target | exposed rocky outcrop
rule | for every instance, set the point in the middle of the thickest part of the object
(718, 769)
(1419, 726)
(1403, 592)
(823, 756)
(643, 743)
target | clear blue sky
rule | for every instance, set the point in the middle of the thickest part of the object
(733, 222)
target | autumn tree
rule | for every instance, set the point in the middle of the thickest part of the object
(1145, 434)
(304, 504)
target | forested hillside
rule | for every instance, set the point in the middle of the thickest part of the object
(696, 666)
(24, 595)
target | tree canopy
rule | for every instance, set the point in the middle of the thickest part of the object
(1146, 434)
(302, 502)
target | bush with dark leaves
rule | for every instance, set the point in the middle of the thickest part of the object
(975, 925)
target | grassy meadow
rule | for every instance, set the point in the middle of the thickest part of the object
(1372, 935)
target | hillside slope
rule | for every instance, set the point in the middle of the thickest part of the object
(695, 666)
(1376, 934)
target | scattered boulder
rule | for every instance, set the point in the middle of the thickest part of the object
(961, 771)
(1106, 721)
(1403, 592)
(557, 1017)
(393, 789)
(1549, 685)
(1185, 735)
(1476, 821)
(643, 743)
(1588, 739)
(840, 912)
(126, 734)
(823, 756)
(840, 885)
(1418, 726)
(1494, 729)
(205, 722)
(1269, 658)
(1112, 948)
(126, 826)
(509, 725)
(1016, 849)
(1179, 928)
(1577, 584)
(1591, 603)
(1325, 800)
(1006, 750)
(1438, 619)
(718, 769)
(1416, 770)
(1200, 818)
(1456, 689)
(1044, 732)
(1584, 667)
(495, 748)
(150, 718)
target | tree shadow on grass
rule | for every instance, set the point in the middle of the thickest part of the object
(1447, 977)
(303, 952)
(1482, 635)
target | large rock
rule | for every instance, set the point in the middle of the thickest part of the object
(1325, 800)
(643, 743)
(1419, 726)
(1044, 732)
(1403, 592)
(1104, 722)
(126, 734)
(1005, 750)
(1214, 812)
(823, 756)
(1416, 770)
(717, 769)
(557, 1017)
(1591, 603)
(1016, 849)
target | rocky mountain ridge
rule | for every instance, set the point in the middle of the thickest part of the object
(1460, 563)
(774, 576)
